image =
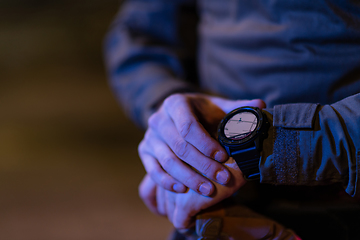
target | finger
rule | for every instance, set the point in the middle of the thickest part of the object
(152, 167)
(179, 170)
(189, 154)
(170, 205)
(228, 105)
(182, 216)
(189, 128)
(147, 192)
(161, 178)
(161, 203)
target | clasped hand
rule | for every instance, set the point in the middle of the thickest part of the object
(181, 208)
(180, 154)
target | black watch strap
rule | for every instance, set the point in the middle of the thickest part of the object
(248, 162)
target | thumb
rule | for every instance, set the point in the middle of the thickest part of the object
(147, 192)
(228, 105)
(182, 219)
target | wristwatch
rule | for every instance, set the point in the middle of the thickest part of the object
(241, 132)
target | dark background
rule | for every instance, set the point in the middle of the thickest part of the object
(68, 156)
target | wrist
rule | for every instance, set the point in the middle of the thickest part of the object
(267, 150)
(241, 133)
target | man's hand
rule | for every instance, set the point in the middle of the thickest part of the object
(180, 208)
(179, 147)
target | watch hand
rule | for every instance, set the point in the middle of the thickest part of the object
(243, 121)
(246, 133)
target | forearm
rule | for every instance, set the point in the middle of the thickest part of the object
(142, 53)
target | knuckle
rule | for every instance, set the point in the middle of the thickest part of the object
(181, 148)
(173, 98)
(185, 128)
(193, 182)
(153, 120)
(165, 182)
(168, 101)
(154, 174)
(147, 135)
(207, 149)
(141, 147)
(166, 163)
(144, 145)
(207, 168)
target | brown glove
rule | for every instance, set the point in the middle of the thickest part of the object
(239, 222)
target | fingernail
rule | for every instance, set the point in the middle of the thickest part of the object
(220, 156)
(222, 177)
(205, 189)
(178, 188)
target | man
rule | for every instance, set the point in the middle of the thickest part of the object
(299, 58)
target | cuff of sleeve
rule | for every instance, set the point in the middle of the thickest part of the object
(300, 115)
(281, 151)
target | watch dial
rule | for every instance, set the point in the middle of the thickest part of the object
(240, 125)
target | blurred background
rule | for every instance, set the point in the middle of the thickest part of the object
(68, 156)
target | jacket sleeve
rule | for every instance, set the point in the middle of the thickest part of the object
(147, 55)
(310, 144)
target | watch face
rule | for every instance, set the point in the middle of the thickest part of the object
(240, 125)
